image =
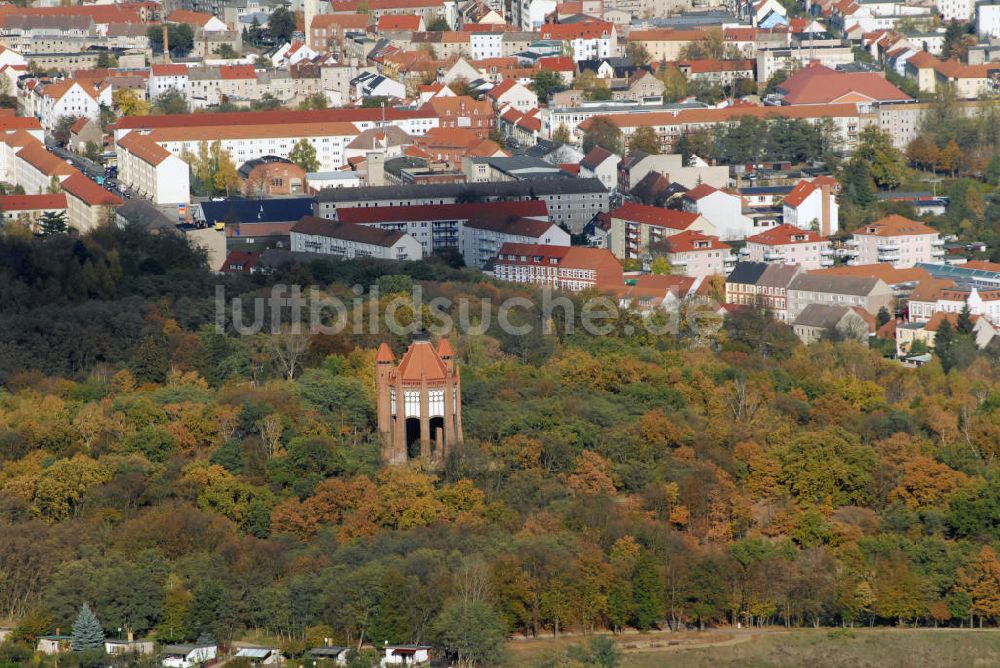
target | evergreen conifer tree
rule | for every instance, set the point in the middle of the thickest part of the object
(87, 631)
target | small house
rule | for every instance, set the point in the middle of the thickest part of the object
(261, 656)
(338, 655)
(406, 655)
(187, 656)
(129, 646)
(54, 644)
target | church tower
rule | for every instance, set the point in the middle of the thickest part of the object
(419, 401)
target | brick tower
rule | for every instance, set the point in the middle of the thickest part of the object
(419, 401)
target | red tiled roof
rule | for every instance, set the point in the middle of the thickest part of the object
(168, 70)
(667, 35)
(818, 84)
(380, 214)
(187, 16)
(32, 202)
(690, 241)
(582, 30)
(895, 226)
(409, 22)
(653, 215)
(784, 235)
(607, 266)
(36, 155)
(699, 191)
(92, 194)
(703, 66)
(726, 114)
(282, 117)
(342, 21)
(237, 72)
(144, 148)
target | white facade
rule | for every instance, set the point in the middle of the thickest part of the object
(725, 212)
(531, 13)
(956, 10)
(812, 254)
(154, 173)
(902, 249)
(74, 102)
(518, 96)
(988, 20)
(486, 45)
(188, 657)
(406, 248)
(481, 243)
(163, 78)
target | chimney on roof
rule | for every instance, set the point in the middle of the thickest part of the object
(825, 202)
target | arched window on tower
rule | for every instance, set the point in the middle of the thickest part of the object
(436, 402)
(412, 401)
(392, 400)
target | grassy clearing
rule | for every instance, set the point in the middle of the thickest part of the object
(860, 648)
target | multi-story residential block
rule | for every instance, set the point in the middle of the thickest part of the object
(511, 93)
(28, 209)
(870, 294)
(481, 237)
(88, 205)
(634, 227)
(570, 268)
(439, 226)
(50, 102)
(164, 77)
(671, 125)
(896, 240)
(724, 210)
(587, 39)
(817, 321)
(787, 244)
(637, 164)
(691, 253)
(152, 171)
(761, 284)
(602, 165)
(812, 205)
(571, 203)
(348, 241)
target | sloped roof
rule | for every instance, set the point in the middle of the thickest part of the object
(818, 84)
(653, 215)
(895, 226)
(597, 155)
(89, 192)
(784, 235)
(323, 227)
(421, 362)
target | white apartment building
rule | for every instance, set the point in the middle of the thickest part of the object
(787, 244)
(588, 40)
(152, 171)
(348, 241)
(571, 268)
(482, 238)
(166, 76)
(486, 45)
(812, 205)
(898, 241)
(67, 98)
(692, 253)
(722, 209)
(246, 142)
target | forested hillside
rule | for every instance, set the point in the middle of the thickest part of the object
(189, 484)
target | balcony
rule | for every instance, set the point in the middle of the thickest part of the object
(888, 248)
(827, 252)
(888, 257)
(851, 243)
(826, 262)
(744, 251)
(772, 256)
(938, 243)
(937, 252)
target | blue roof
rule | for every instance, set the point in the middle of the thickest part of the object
(258, 210)
(960, 274)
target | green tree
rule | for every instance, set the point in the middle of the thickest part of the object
(876, 155)
(883, 316)
(472, 632)
(87, 632)
(647, 588)
(227, 52)
(150, 363)
(646, 140)
(106, 59)
(439, 24)
(53, 222)
(561, 135)
(303, 154)
(546, 82)
(315, 101)
(282, 24)
(604, 133)
(171, 101)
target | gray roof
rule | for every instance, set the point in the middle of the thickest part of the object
(327, 651)
(823, 316)
(363, 234)
(779, 275)
(833, 284)
(186, 649)
(525, 166)
(451, 190)
(747, 273)
(141, 212)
